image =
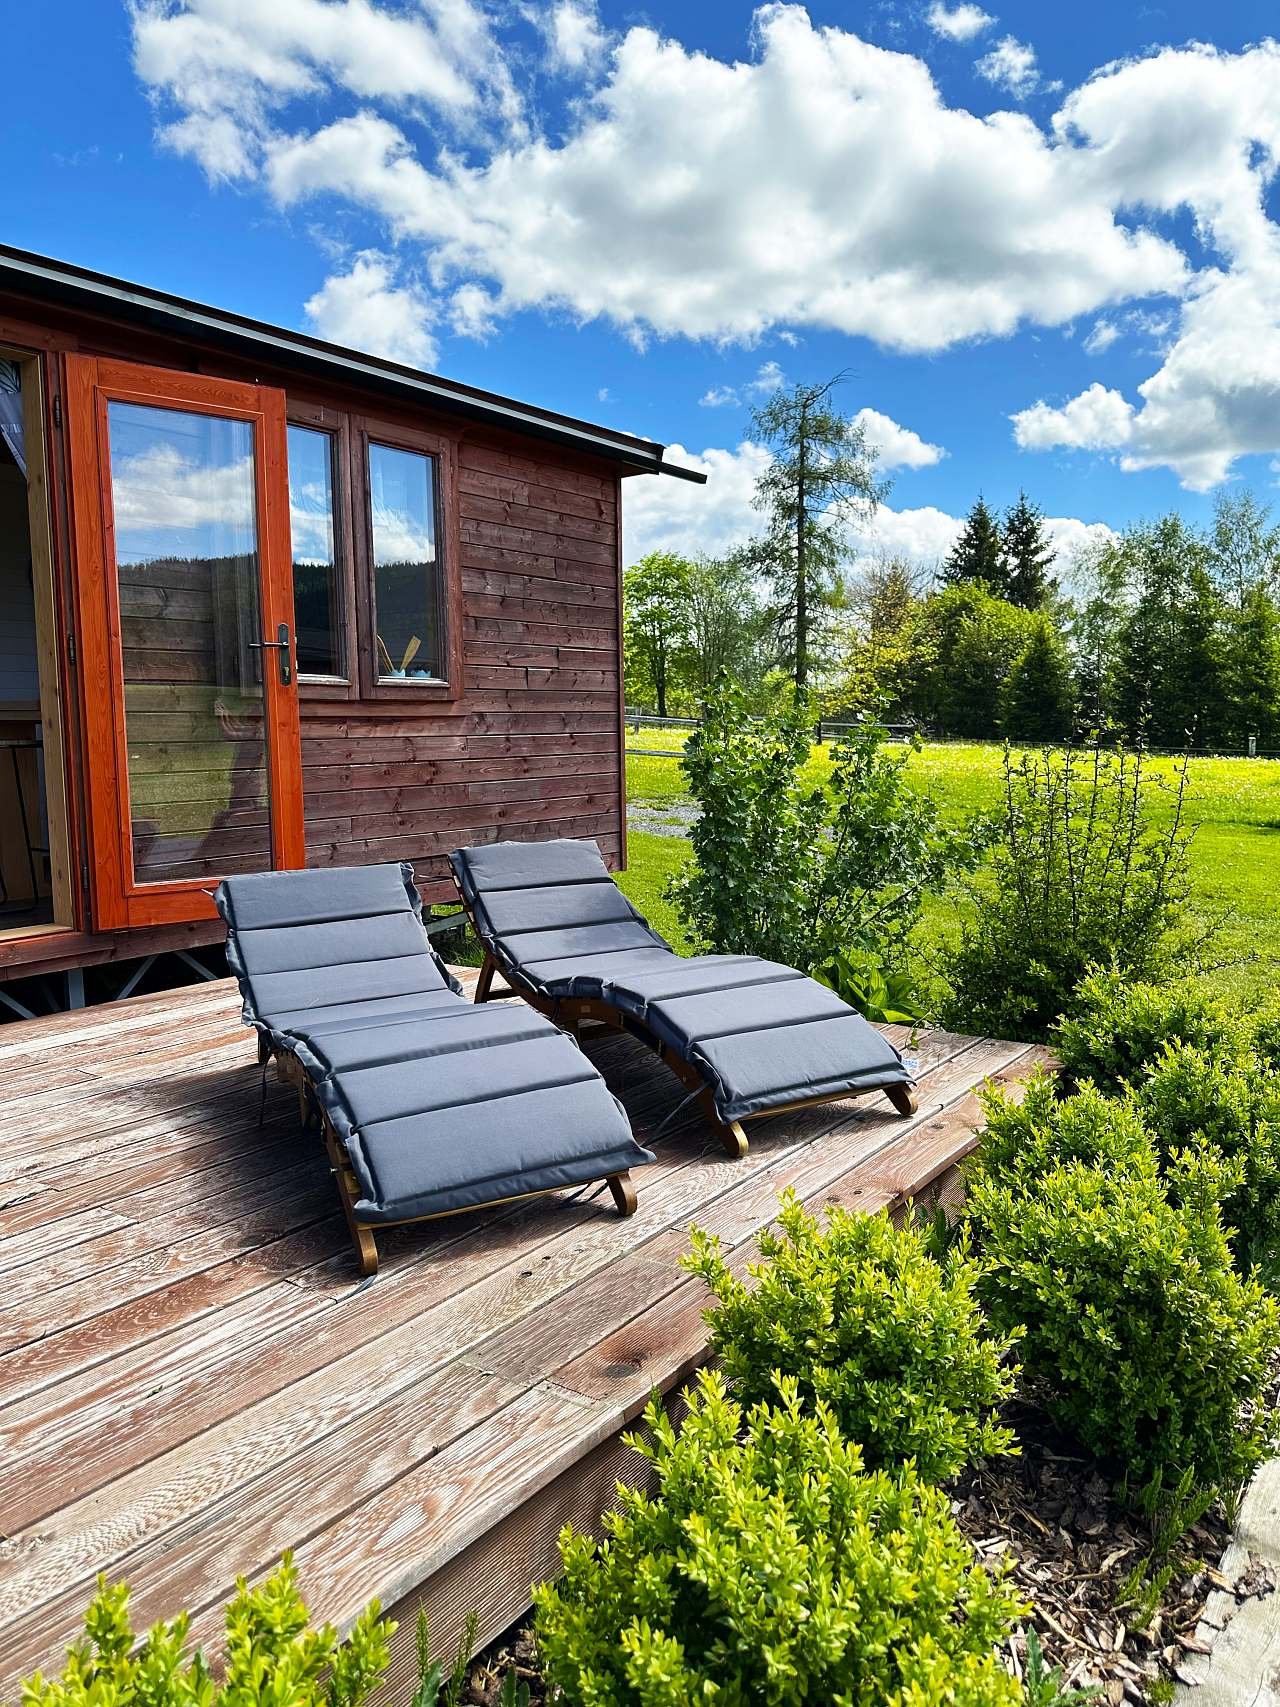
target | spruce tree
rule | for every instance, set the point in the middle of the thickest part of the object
(1028, 556)
(1038, 695)
(978, 554)
(1252, 671)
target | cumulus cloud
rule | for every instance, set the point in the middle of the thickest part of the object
(958, 23)
(1103, 334)
(1216, 395)
(669, 515)
(1011, 66)
(823, 182)
(767, 380)
(895, 446)
(365, 309)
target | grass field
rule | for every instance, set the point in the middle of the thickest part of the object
(1234, 805)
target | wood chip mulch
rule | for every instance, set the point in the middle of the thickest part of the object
(1071, 1549)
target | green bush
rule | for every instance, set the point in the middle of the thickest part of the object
(273, 1657)
(1191, 1098)
(1140, 1335)
(1117, 1028)
(1021, 1141)
(863, 1319)
(768, 1570)
(1083, 874)
(815, 874)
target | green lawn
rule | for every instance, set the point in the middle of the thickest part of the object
(1234, 805)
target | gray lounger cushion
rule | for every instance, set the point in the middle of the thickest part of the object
(441, 1105)
(761, 1034)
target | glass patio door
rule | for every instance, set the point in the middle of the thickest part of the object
(179, 492)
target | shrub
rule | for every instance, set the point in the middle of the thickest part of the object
(1142, 1338)
(859, 1315)
(1080, 876)
(815, 874)
(767, 1568)
(1191, 1098)
(1118, 1027)
(1023, 1141)
(272, 1656)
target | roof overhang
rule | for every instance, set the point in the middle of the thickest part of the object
(79, 288)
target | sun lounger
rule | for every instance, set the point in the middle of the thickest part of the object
(747, 1036)
(428, 1104)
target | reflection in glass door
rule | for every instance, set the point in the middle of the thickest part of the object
(186, 560)
(180, 510)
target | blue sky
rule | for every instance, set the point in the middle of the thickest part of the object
(1001, 220)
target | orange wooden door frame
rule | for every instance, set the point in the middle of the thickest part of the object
(119, 901)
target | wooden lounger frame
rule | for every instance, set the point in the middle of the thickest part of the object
(571, 1012)
(292, 1072)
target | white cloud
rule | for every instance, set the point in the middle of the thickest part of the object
(576, 42)
(767, 380)
(1194, 128)
(895, 446)
(671, 515)
(230, 65)
(1101, 338)
(958, 23)
(164, 502)
(718, 397)
(365, 309)
(1011, 65)
(1098, 419)
(823, 182)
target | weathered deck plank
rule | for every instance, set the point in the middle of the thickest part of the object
(192, 1379)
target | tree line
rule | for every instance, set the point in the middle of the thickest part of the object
(1168, 634)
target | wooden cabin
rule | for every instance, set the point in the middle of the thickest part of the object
(265, 602)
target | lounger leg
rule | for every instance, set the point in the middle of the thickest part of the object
(484, 983)
(732, 1136)
(264, 1048)
(361, 1233)
(624, 1193)
(903, 1098)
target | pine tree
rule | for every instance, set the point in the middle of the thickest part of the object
(978, 554)
(1038, 695)
(1028, 556)
(822, 476)
(1252, 671)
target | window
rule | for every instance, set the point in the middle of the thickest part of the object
(316, 601)
(406, 593)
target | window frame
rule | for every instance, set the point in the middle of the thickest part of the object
(337, 424)
(365, 429)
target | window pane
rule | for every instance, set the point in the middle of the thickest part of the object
(186, 540)
(315, 580)
(402, 504)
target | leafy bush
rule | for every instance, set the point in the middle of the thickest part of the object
(1023, 1141)
(803, 871)
(272, 1656)
(1081, 876)
(859, 1315)
(1118, 1027)
(767, 1568)
(1192, 1098)
(1144, 1341)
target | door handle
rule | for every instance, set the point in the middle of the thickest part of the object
(282, 648)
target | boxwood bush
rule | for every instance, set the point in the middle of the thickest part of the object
(862, 1318)
(1117, 1029)
(768, 1570)
(1141, 1337)
(272, 1656)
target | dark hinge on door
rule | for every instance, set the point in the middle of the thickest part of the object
(57, 411)
(71, 647)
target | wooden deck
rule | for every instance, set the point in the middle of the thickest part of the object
(192, 1379)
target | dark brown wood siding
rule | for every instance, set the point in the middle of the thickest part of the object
(532, 745)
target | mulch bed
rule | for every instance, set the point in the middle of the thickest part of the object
(1072, 1551)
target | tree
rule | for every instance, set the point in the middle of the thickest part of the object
(821, 477)
(965, 641)
(1244, 547)
(1028, 556)
(726, 621)
(978, 554)
(881, 603)
(1167, 684)
(655, 594)
(1038, 695)
(1251, 671)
